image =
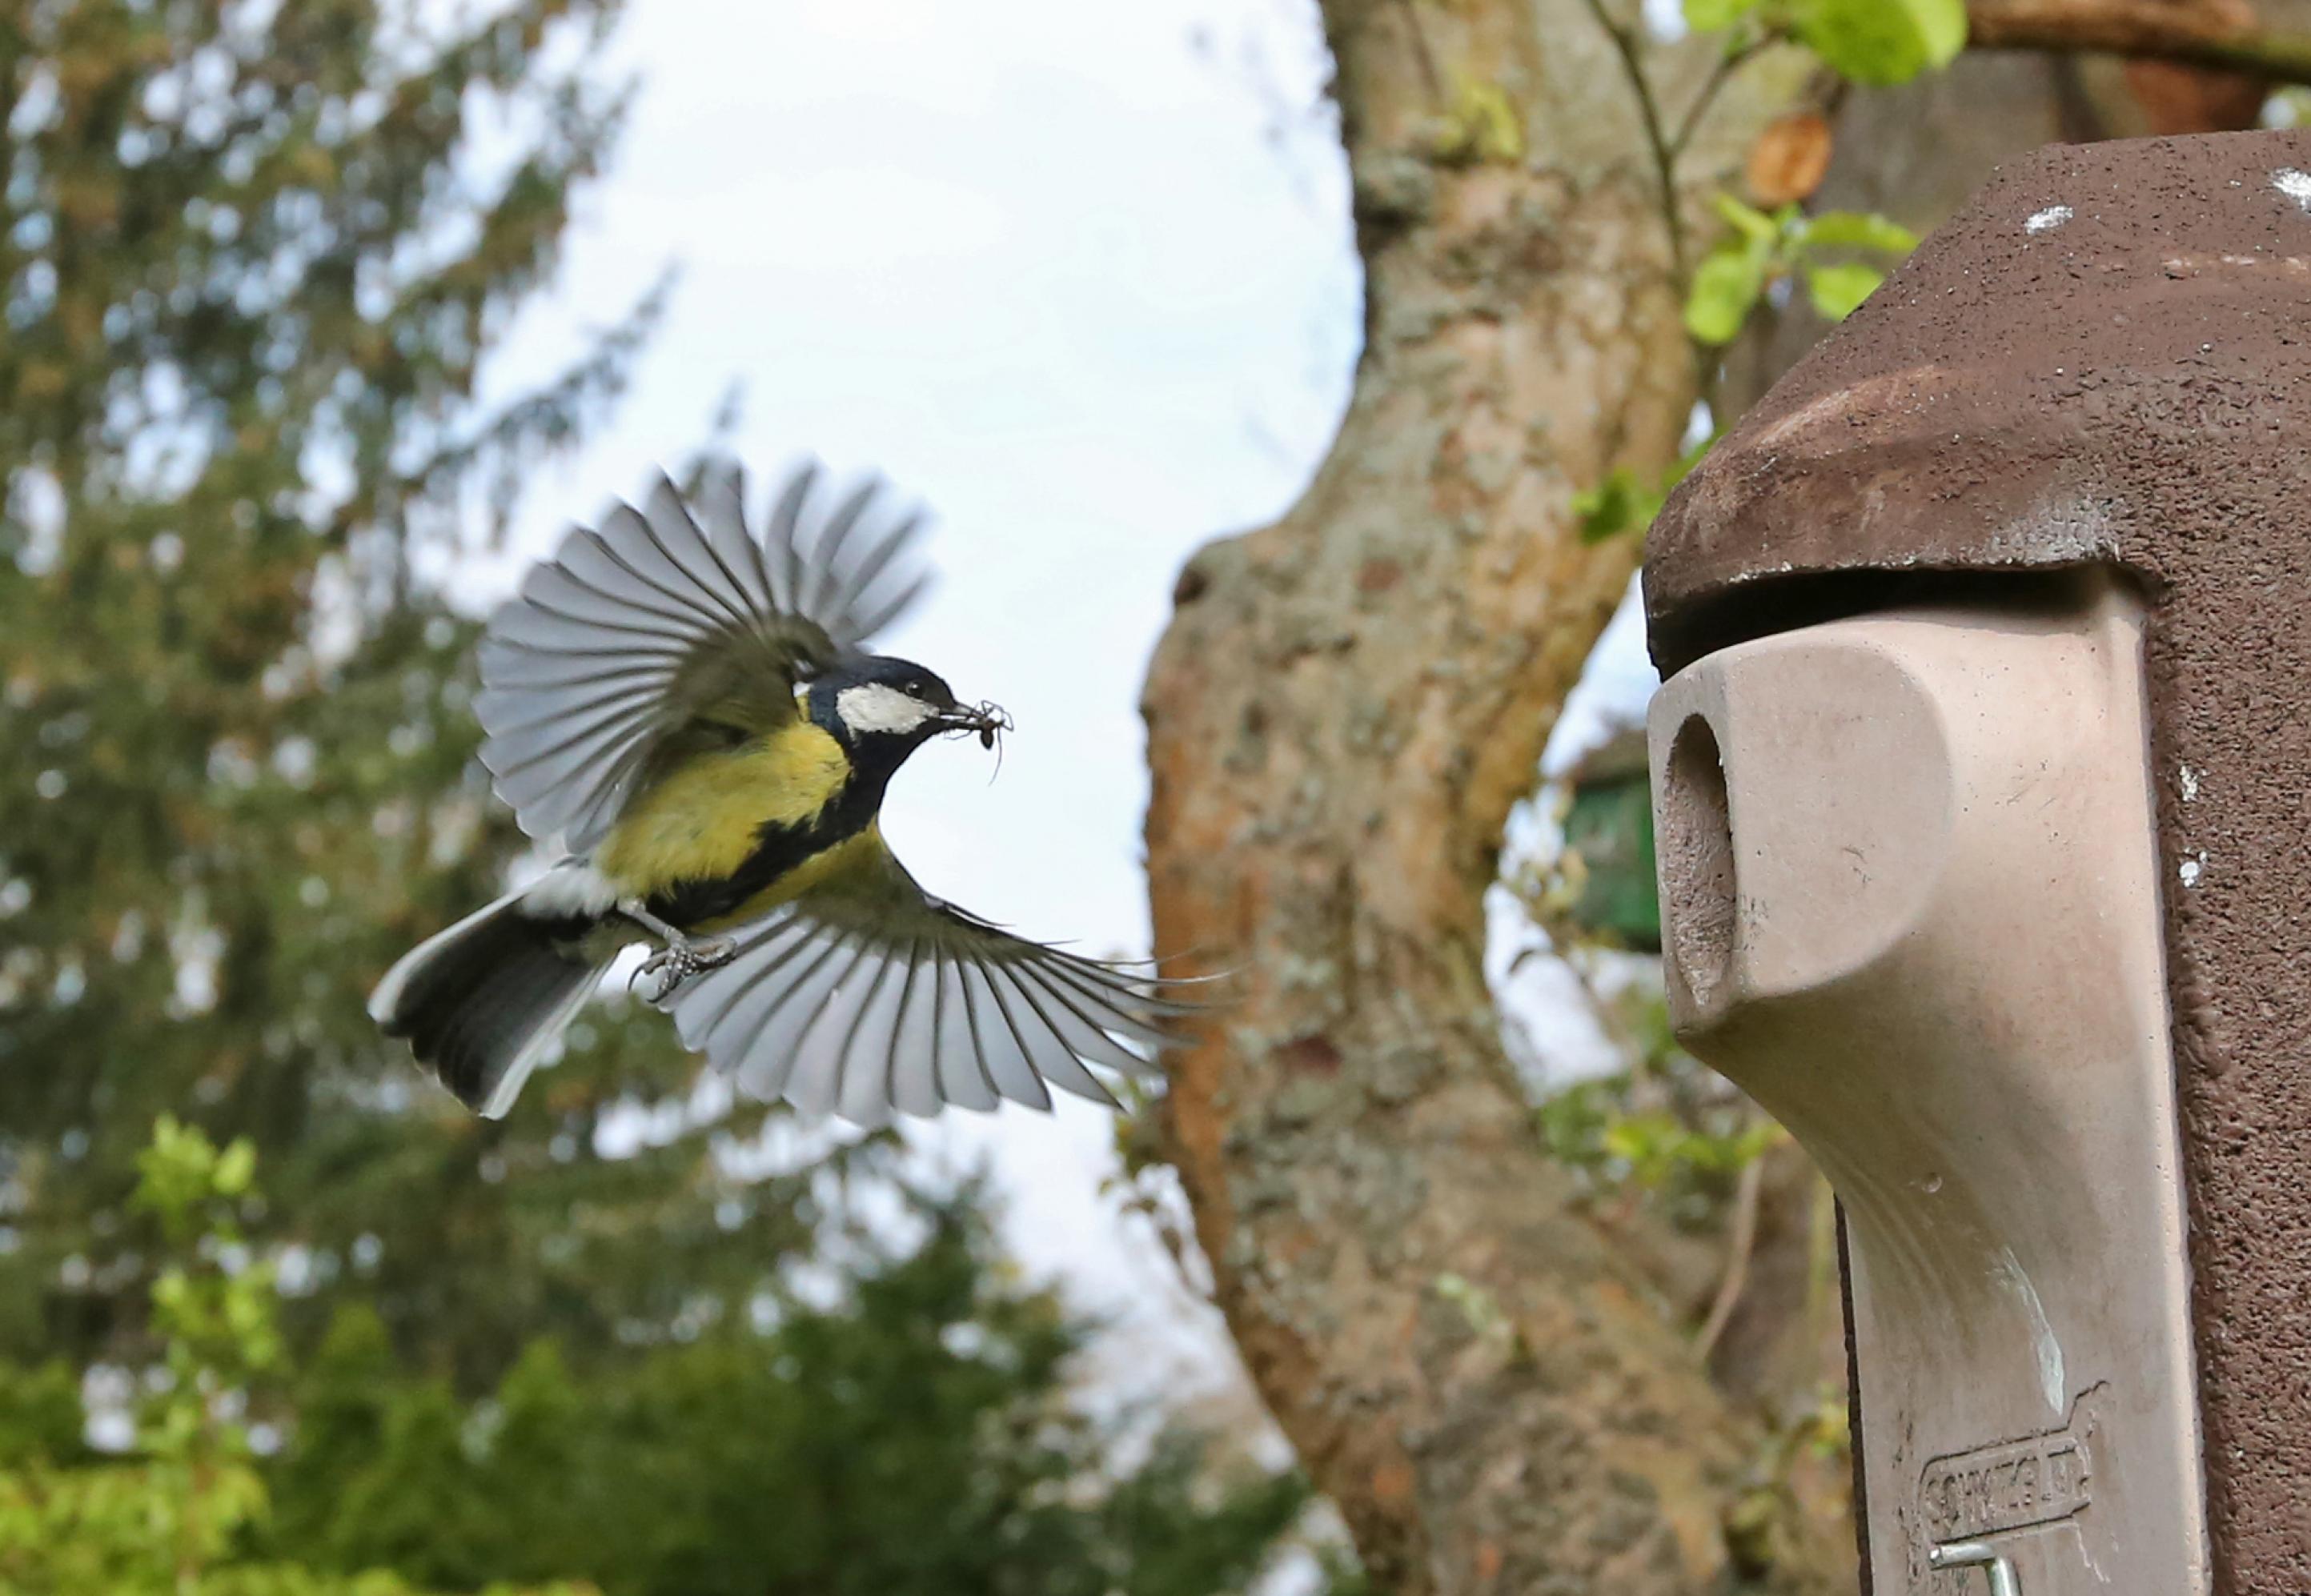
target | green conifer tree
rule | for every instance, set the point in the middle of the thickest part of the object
(253, 258)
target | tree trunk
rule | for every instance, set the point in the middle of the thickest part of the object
(1345, 708)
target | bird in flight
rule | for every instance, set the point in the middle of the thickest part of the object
(683, 708)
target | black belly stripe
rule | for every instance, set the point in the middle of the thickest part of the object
(778, 848)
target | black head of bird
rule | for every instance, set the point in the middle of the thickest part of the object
(682, 705)
(888, 707)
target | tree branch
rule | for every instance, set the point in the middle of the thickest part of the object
(2225, 35)
(1727, 65)
(1624, 45)
(1741, 1242)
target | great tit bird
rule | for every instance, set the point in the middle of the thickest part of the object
(683, 707)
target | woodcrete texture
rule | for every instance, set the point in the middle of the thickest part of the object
(2105, 359)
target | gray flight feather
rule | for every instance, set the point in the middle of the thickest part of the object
(870, 997)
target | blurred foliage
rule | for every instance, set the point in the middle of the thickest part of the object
(916, 1434)
(1759, 250)
(1867, 41)
(1668, 1130)
(917, 1438)
(1839, 257)
(1870, 41)
(1604, 876)
(253, 257)
(174, 1517)
(1665, 1129)
(1666, 1137)
(1623, 503)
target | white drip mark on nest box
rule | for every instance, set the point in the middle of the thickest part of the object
(2048, 1351)
(2294, 184)
(2193, 869)
(2047, 220)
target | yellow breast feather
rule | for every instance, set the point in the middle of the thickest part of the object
(700, 821)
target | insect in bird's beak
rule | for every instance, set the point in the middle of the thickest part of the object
(986, 720)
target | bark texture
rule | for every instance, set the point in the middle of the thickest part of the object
(1346, 707)
(2263, 37)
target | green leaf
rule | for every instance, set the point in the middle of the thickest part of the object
(1621, 503)
(1837, 290)
(1725, 290)
(1707, 16)
(234, 1170)
(1882, 41)
(1611, 508)
(1857, 230)
(1752, 224)
(1941, 23)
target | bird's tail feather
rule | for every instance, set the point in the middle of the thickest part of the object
(482, 1002)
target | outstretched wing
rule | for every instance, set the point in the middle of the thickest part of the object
(869, 995)
(663, 623)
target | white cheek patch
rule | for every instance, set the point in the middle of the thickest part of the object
(876, 708)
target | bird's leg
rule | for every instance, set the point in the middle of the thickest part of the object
(683, 956)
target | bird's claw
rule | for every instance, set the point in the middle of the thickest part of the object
(678, 962)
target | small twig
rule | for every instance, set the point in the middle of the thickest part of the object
(1747, 1198)
(2223, 37)
(1625, 43)
(1420, 51)
(1727, 64)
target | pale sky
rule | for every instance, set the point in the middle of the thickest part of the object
(1078, 278)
